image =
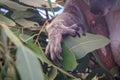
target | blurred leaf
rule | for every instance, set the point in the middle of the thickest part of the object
(14, 5)
(84, 75)
(26, 23)
(69, 61)
(39, 53)
(15, 31)
(52, 73)
(9, 34)
(11, 72)
(1, 50)
(95, 78)
(27, 63)
(25, 38)
(36, 3)
(85, 44)
(4, 39)
(7, 21)
(46, 77)
(22, 14)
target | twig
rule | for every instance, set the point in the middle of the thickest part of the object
(41, 31)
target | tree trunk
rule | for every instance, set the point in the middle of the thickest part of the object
(97, 25)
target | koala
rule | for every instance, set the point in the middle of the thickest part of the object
(72, 22)
(69, 22)
(111, 10)
(101, 7)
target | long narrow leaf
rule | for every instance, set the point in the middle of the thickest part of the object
(43, 58)
(27, 63)
(85, 44)
(7, 21)
(50, 4)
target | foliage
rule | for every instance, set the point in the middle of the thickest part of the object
(23, 41)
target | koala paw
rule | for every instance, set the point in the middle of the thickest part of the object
(55, 33)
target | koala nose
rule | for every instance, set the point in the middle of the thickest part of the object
(96, 11)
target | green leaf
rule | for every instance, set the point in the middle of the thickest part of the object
(7, 21)
(95, 78)
(26, 38)
(26, 23)
(46, 77)
(27, 63)
(52, 73)
(36, 3)
(9, 34)
(69, 61)
(85, 44)
(22, 36)
(14, 5)
(22, 14)
(11, 71)
(15, 31)
(39, 53)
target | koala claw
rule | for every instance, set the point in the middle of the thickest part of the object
(55, 33)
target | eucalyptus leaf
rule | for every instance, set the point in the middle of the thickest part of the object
(22, 14)
(28, 64)
(9, 34)
(37, 3)
(46, 77)
(69, 62)
(26, 23)
(11, 72)
(16, 31)
(95, 78)
(52, 73)
(13, 5)
(26, 38)
(4, 38)
(85, 44)
(1, 49)
(6, 20)
(39, 53)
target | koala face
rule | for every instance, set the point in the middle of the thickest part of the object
(101, 7)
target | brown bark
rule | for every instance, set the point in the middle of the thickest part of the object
(97, 25)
